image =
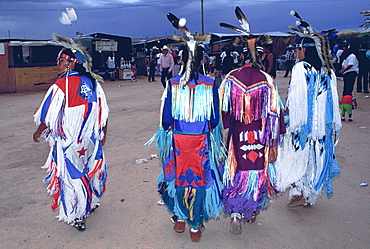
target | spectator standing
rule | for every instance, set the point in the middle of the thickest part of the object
(227, 62)
(166, 65)
(111, 64)
(152, 63)
(269, 60)
(290, 57)
(338, 65)
(363, 72)
(350, 68)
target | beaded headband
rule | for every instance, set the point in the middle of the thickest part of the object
(66, 56)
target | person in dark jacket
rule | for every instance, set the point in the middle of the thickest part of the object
(364, 67)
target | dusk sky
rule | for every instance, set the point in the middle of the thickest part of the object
(38, 19)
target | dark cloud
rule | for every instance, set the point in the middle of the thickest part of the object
(39, 19)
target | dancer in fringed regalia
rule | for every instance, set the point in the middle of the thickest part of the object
(189, 140)
(251, 113)
(307, 163)
(73, 117)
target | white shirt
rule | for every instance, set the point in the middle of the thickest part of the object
(350, 60)
(339, 53)
(235, 56)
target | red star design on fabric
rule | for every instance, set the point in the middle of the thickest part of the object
(252, 156)
(82, 152)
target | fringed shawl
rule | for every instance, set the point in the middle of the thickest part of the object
(194, 102)
(312, 102)
(249, 94)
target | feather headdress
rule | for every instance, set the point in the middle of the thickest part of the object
(192, 42)
(80, 53)
(245, 30)
(304, 29)
(243, 41)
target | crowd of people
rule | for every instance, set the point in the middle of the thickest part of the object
(227, 144)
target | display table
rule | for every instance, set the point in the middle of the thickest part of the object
(126, 74)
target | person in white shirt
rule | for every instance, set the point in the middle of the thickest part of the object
(350, 68)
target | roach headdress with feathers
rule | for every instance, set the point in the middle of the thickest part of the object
(304, 29)
(79, 52)
(192, 41)
(241, 41)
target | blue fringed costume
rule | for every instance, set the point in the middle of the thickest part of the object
(189, 139)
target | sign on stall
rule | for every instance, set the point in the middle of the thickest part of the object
(106, 46)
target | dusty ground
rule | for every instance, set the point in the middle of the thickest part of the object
(129, 216)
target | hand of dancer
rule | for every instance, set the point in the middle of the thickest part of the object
(38, 132)
(272, 154)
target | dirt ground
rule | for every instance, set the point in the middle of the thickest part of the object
(129, 216)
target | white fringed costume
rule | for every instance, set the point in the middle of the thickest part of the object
(76, 164)
(307, 162)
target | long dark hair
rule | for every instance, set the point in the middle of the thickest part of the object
(353, 49)
(196, 63)
(311, 56)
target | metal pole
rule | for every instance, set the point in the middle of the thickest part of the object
(202, 10)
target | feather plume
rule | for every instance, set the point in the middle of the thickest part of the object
(175, 22)
(242, 19)
(71, 14)
(64, 19)
(236, 29)
(200, 37)
(293, 28)
(264, 39)
(293, 13)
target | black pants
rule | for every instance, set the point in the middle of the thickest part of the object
(349, 81)
(151, 72)
(165, 76)
(289, 65)
(362, 77)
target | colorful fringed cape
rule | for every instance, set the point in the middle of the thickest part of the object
(251, 113)
(76, 165)
(307, 158)
(189, 139)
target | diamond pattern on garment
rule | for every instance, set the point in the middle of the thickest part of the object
(252, 156)
(251, 147)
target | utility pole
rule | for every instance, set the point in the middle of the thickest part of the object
(202, 10)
